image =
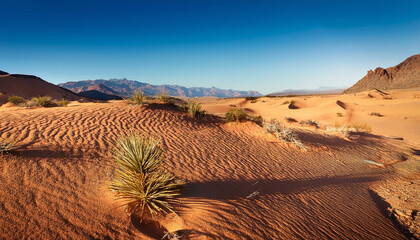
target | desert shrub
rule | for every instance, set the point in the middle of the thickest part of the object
(286, 102)
(376, 114)
(309, 123)
(254, 101)
(282, 132)
(29, 104)
(361, 127)
(7, 146)
(255, 118)
(339, 114)
(138, 98)
(345, 129)
(16, 100)
(236, 115)
(44, 101)
(194, 109)
(163, 98)
(63, 102)
(140, 180)
(251, 98)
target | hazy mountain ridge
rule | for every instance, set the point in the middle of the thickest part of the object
(319, 90)
(124, 87)
(404, 75)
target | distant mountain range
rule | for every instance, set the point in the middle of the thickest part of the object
(404, 75)
(124, 87)
(320, 90)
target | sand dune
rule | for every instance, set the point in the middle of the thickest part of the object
(55, 186)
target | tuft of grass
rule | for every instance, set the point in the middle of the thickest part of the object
(7, 146)
(194, 109)
(282, 132)
(163, 98)
(236, 115)
(287, 102)
(376, 114)
(309, 123)
(138, 98)
(16, 100)
(44, 101)
(63, 102)
(339, 114)
(140, 180)
(345, 129)
(255, 118)
(361, 127)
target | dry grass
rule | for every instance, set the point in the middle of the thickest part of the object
(345, 129)
(7, 146)
(282, 132)
(236, 115)
(16, 100)
(138, 98)
(194, 109)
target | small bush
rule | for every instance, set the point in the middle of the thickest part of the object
(282, 132)
(44, 101)
(345, 130)
(163, 98)
(7, 146)
(251, 98)
(63, 102)
(16, 100)
(254, 101)
(194, 109)
(339, 114)
(236, 115)
(309, 123)
(361, 127)
(376, 114)
(286, 102)
(29, 104)
(140, 180)
(137, 99)
(255, 118)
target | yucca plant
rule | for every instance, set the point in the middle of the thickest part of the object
(194, 108)
(7, 146)
(138, 98)
(140, 181)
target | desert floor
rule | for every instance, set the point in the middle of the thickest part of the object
(55, 185)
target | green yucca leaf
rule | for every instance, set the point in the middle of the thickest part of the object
(139, 181)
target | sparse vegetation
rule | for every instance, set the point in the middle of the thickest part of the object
(163, 98)
(339, 114)
(236, 115)
(282, 132)
(7, 146)
(138, 98)
(376, 114)
(286, 102)
(309, 123)
(16, 100)
(44, 101)
(345, 129)
(140, 180)
(194, 109)
(251, 98)
(255, 118)
(63, 102)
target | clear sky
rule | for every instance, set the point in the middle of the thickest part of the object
(246, 45)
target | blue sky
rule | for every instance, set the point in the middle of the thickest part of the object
(246, 45)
